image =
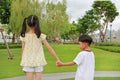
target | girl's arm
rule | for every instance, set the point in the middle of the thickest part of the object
(65, 64)
(23, 45)
(50, 49)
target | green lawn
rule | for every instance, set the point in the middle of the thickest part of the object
(100, 78)
(108, 61)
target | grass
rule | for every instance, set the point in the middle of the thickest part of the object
(100, 78)
(8, 67)
(108, 61)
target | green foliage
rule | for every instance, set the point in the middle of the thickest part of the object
(6, 28)
(87, 23)
(55, 20)
(98, 18)
(108, 44)
(105, 12)
(52, 16)
(110, 48)
(11, 46)
(21, 9)
(4, 11)
(72, 34)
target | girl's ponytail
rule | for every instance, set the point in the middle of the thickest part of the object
(23, 31)
(37, 26)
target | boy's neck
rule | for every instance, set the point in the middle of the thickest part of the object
(87, 49)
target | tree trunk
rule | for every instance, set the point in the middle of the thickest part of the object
(9, 53)
(13, 39)
(102, 37)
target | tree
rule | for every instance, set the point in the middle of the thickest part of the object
(87, 23)
(21, 9)
(4, 11)
(98, 18)
(9, 53)
(52, 16)
(71, 34)
(105, 13)
(55, 20)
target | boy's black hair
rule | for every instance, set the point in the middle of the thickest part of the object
(85, 38)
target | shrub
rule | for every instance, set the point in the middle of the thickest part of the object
(3, 46)
(110, 48)
(108, 44)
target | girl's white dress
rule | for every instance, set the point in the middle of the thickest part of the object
(33, 54)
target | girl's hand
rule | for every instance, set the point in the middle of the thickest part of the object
(59, 63)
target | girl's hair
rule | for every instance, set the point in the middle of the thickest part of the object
(33, 22)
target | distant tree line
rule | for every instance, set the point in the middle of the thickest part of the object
(54, 20)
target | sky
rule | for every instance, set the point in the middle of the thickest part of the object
(77, 9)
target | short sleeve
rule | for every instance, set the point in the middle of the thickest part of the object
(42, 36)
(22, 38)
(79, 59)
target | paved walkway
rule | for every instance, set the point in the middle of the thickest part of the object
(59, 76)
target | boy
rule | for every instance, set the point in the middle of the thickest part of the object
(84, 60)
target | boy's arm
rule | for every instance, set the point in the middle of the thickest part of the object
(66, 64)
(50, 49)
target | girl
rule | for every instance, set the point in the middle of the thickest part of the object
(33, 58)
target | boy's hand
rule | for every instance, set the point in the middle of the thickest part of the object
(59, 63)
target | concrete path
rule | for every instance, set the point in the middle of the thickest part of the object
(59, 76)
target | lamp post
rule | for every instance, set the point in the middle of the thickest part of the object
(110, 32)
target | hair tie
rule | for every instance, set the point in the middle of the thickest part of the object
(26, 20)
(32, 19)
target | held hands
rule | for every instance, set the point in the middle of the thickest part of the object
(59, 63)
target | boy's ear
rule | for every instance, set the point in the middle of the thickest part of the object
(88, 44)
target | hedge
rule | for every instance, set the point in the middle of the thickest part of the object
(109, 44)
(3, 46)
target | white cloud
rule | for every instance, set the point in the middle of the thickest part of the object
(77, 8)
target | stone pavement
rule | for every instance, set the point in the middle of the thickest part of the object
(59, 76)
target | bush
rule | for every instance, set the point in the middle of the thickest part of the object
(110, 48)
(11, 46)
(108, 44)
(70, 43)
